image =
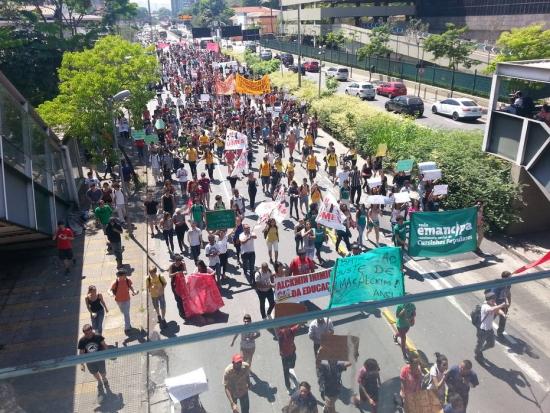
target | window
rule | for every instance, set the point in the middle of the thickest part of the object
(367, 86)
(468, 103)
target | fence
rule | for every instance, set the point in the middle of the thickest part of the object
(473, 84)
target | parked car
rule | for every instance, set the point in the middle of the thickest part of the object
(312, 66)
(361, 90)
(391, 89)
(459, 108)
(339, 73)
(294, 68)
(410, 105)
(266, 55)
(251, 48)
(286, 59)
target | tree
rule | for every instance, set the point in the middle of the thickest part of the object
(523, 43)
(89, 78)
(451, 46)
(416, 30)
(378, 46)
(334, 40)
(164, 14)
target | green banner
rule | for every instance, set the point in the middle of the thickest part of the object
(371, 276)
(438, 234)
(222, 219)
(405, 165)
(140, 135)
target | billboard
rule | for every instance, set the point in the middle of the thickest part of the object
(230, 31)
(199, 32)
(251, 34)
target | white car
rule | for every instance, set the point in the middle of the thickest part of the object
(458, 108)
(339, 73)
(361, 90)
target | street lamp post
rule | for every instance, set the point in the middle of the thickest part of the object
(321, 54)
(299, 49)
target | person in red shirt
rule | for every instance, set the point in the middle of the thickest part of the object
(64, 237)
(287, 350)
(411, 378)
(301, 264)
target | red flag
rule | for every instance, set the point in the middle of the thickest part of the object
(541, 260)
(202, 295)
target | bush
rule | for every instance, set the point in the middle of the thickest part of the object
(260, 67)
(470, 173)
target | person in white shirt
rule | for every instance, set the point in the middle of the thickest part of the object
(317, 329)
(123, 128)
(248, 253)
(485, 332)
(155, 167)
(342, 175)
(194, 236)
(120, 204)
(222, 244)
(438, 376)
(239, 201)
(182, 176)
(264, 289)
(212, 253)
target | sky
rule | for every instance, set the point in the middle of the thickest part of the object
(155, 4)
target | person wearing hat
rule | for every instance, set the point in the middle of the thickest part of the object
(485, 333)
(235, 381)
(120, 290)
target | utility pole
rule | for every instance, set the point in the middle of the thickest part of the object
(300, 48)
(150, 19)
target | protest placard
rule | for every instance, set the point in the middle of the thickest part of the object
(382, 149)
(138, 135)
(235, 140)
(374, 182)
(438, 234)
(432, 174)
(424, 166)
(205, 97)
(423, 401)
(440, 189)
(404, 165)
(339, 348)
(373, 275)
(286, 309)
(401, 197)
(300, 288)
(330, 214)
(240, 165)
(186, 385)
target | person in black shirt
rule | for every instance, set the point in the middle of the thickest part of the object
(177, 269)
(113, 230)
(91, 342)
(330, 381)
(151, 209)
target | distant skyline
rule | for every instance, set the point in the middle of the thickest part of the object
(155, 4)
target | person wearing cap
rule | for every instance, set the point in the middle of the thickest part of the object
(92, 342)
(301, 264)
(64, 237)
(177, 269)
(236, 378)
(120, 290)
(485, 332)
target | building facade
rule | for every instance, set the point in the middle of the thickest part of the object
(38, 174)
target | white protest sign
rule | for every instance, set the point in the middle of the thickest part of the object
(241, 164)
(425, 166)
(235, 140)
(300, 288)
(186, 385)
(374, 182)
(432, 174)
(330, 214)
(205, 97)
(440, 189)
(401, 197)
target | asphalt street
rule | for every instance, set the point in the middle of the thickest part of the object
(513, 379)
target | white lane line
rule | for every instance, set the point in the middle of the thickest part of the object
(441, 283)
(223, 182)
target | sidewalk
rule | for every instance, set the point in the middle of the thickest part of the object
(42, 312)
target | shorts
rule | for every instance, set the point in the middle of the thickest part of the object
(332, 170)
(273, 246)
(312, 174)
(373, 224)
(265, 180)
(306, 150)
(403, 330)
(66, 254)
(97, 367)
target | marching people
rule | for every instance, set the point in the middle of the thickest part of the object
(97, 308)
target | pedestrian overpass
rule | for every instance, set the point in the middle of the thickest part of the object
(523, 141)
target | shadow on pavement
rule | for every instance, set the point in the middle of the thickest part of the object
(262, 388)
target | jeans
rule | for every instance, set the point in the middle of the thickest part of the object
(299, 243)
(245, 403)
(195, 252)
(193, 166)
(485, 340)
(252, 198)
(116, 248)
(180, 234)
(294, 202)
(97, 321)
(223, 262)
(179, 302)
(355, 190)
(288, 363)
(361, 230)
(342, 235)
(124, 307)
(263, 295)
(121, 212)
(217, 271)
(249, 262)
(168, 235)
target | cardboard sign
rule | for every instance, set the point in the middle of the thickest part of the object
(424, 166)
(440, 189)
(300, 288)
(424, 401)
(286, 309)
(401, 197)
(377, 200)
(205, 97)
(374, 182)
(432, 174)
(339, 348)
(404, 165)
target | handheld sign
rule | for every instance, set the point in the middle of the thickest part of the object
(138, 135)
(286, 309)
(401, 197)
(440, 189)
(205, 97)
(432, 174)
(374, 182)
(382, 149)
(424, 166)
(339, 348)
(404, 165)
(222, 219)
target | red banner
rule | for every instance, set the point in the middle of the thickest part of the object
(213, 47)
(541, 260)
(226, 87)
(200, 294)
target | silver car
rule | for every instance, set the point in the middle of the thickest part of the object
(339, 73)
(361, 90)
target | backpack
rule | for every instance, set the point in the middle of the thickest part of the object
(114, 290)
(161, 279)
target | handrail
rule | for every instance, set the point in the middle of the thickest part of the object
(71, 361)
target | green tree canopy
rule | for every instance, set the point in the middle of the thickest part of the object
(334, 40)
(378, 43)
(89, 78)
(206, 12)
(164, 14)
(450, 44)
(522, 43)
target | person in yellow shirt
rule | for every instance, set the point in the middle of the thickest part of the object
(278, 164)
(316, 194)
(311, 163)
(307, 148)
(289, 170)
(208, 158)
(204, 141)
(271, 235)
(332, 162)
(265, 173)
(220, 145)
(353, 155)
(191, 155)
(155, 285)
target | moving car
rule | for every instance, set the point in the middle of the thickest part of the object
(410, 105)
(458, 108)
(339, 73)
(286, 59)
(312, 66)
(266, 55)
(361, 90)
(391, 89)
(294, 68)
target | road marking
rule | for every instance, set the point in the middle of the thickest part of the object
(222, 181)
(441, 283)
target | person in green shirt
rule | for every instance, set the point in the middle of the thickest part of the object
(399, 232)
(320, 239)
(197, 213)
(405, 316)
(345, 192)
(103, 213)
